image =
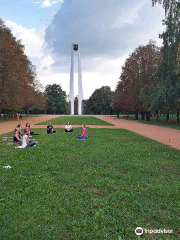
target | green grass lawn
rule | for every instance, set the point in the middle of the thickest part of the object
(99, 189)
(162, 121)
(76, 120)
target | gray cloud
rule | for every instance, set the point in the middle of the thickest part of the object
(105, 29)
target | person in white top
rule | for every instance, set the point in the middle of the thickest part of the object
(68, 127)
(25, 140)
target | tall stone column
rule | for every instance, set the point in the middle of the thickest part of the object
(80, 88)
(75, 48)
(71, 92)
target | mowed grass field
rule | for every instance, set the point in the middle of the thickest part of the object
(98, 189)
(162, 121)
(76, 120)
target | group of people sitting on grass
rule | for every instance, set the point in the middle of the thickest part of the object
(68, 128)
(50, 129)
(21, 136)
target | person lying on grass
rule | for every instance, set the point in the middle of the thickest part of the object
(50, 128)
(84, 133)
(68, 127)
(17, 137)
(25, 140)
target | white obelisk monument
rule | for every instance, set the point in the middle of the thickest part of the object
(75, 48)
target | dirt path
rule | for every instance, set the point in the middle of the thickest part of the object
(164, 135)
(168, 136)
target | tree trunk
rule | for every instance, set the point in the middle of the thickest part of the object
(178, 115)
(136, 114)
(27, 112)
(4, 112)
(167, 116)
(142, 115)
(118, 114)
(148, 116)
(157, 116)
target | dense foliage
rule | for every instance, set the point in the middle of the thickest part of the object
(138, 72)
(19, 87)
(56, 100)
(100, 102)
(168, 88)
(150, 79)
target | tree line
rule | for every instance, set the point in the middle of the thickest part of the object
(20, 90)
(19, 87)
(135, 89)
(149, 83)
(150, 79)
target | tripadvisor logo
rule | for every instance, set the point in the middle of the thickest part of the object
(139, 231)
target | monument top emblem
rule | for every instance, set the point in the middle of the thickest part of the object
(75, 47)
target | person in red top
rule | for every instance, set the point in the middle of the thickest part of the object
(83, 136)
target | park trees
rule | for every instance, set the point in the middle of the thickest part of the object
(169, 70)
(100, 102)
(56, 100)
(18, 82)
(139, 71)
(35, 101)
(120, 98)
(150, 79)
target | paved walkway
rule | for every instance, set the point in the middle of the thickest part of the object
(168, 136)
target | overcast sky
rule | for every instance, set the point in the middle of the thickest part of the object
(106, 30)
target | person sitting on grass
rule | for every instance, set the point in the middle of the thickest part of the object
(50, 128)
(19, 129)
(25, 140)
(68, 127)
(28, 127)
(17, 137)
(84, 133)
